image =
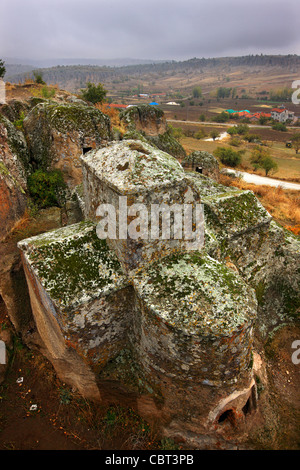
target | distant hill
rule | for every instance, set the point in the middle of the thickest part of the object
(74, 77)
(16, 67)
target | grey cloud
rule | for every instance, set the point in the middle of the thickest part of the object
(152, 29)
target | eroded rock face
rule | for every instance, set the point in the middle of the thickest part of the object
(58, 134)
(148, 123)
(145, 118)
(139, 174)
(173, 326)
(204, 162)
(12, 180)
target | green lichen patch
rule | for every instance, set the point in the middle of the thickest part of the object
(167, 143)
(142, 112)
(133, 165)
(69, 117)
(17, 143)
(197, 294)
(5, 173)
(73, 264)
(206, 186)
(234, 212)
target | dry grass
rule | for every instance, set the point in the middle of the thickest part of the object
(113, 114)
(282, 204)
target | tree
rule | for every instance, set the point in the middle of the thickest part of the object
(38, 76)
(228, 156)
(296, 141)
(260, 158)
(214, 134)
(268, 165)
(197, 92)
(222, 117)
(94, 93)
(2, 69)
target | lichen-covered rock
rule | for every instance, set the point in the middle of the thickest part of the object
(57, 134)
(148, 124)
(144, 118)
(197, 320)
(167, 143)
(175, 324)
(241, 232)
(15, 141)
(141, 174)
(205, 161)
(80, 293)
(12, 181)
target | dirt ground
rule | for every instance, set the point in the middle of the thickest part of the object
(62, 420)
(39, 412)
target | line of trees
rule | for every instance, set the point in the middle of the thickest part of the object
(2, 68)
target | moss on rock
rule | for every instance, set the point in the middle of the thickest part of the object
(73, 264)
(196, 294)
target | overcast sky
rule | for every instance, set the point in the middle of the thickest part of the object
(147, 29)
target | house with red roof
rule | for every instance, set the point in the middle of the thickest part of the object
(282, 114)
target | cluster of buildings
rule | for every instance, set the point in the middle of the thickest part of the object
(280, 114)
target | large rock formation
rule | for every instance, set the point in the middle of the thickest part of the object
(12, 176)
(144, 118)
(57, 135)
(204, 163)
(173, 325)
(148, 123)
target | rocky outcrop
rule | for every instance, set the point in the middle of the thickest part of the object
(12, 177)
(173, 326)
(148, 123)
(204, 163)
(144, 118)
(57, 135)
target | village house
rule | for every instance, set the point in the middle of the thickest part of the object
(282, 114)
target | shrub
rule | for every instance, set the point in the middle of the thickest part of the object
(235, 141)
(47, 92)
(38, 77)
(222, 117)
(19, 122)
(252, 138)
(279, 126)
(47, 188)
(94, 93)
(228, 156)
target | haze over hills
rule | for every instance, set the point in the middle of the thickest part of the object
(264, 71)
(15, 66)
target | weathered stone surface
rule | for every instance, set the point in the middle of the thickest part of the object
(172, 324)
(145, 118)
(143, 175)
(12, 182)
(79, 281)
(148, 124)
(17, 144)
(197, 320)
(205, 161)
(58, 134)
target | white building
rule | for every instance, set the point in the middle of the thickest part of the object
(282, 114)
